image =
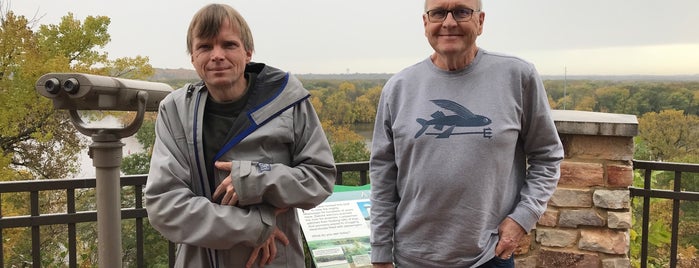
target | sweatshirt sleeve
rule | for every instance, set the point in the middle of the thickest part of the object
(179, 214)
(544, 152)
(384, 195)
(307, 182)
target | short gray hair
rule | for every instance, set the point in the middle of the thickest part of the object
(480, 5)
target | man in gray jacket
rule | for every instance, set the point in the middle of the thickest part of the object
(235, 154)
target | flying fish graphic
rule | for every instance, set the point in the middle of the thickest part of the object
(462, 117)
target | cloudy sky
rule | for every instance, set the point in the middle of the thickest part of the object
(580, 37)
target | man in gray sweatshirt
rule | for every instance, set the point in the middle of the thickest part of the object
(465, 154)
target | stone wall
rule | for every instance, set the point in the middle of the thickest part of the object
(588, 218)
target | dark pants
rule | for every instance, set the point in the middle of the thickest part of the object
(496, 262)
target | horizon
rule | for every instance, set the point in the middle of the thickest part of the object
(559, 39)
(615, 77)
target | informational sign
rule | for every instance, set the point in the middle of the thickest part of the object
(337, 231)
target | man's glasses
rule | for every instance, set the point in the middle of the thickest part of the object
(459, 14)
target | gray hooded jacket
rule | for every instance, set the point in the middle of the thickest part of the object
(281, 159)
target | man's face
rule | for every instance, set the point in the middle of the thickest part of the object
(449, 37)
(220, 61)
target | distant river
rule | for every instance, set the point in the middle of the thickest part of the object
(87, 168)
(366, 130)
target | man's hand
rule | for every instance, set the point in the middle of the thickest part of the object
(268, 249)
(510, 233)
(382, 265)
(230, 197)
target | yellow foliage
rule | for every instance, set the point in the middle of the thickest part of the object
(340, 134)
(670, 134)
(687, 257)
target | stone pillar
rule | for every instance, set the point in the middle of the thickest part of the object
(588, 218)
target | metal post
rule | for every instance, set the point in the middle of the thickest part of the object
(106, 154)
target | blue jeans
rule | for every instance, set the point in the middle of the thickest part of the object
(496, 262)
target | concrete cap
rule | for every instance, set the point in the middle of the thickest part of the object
(595, 123)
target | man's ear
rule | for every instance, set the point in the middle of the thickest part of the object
(481, 20)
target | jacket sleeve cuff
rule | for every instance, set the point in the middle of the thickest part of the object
(269, 222)
(382, 253)
(245, 187)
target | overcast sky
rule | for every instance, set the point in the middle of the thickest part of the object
(584, 37)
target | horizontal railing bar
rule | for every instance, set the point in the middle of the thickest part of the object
(63, 184)
(667, 194)
(352, 166)
(53, 219)
(130, 180)
(666, 166)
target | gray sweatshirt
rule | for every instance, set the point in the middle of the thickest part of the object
(449, 160)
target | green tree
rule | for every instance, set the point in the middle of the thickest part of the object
(37, 141)
(612, 99)
(669, 135)
(341, 111)
(139, 163)
(35, 138)
(365, 105)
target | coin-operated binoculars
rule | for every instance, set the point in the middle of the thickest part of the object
(77, 91)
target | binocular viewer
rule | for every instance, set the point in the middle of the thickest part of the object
(78, 91)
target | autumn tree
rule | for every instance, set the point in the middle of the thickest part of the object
(37, 141)
(673, 136)
(338, 108)
(669, 135)
(585, 103)
(611, 99)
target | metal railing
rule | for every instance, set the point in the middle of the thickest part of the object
(72, 217)
(676, 195)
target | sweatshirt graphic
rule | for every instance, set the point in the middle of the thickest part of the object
(462, 117)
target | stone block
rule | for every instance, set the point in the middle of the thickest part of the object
(571, 198)
(616, 263)
(567, 259)
(556, 237)
(549, 218)
(612, 199)
(581, 174)
(604, 240)
(578, 217)
(526, 262)
(619, 176)
(619, 220)
(598, 147)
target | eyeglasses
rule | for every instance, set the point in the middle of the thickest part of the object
(459, 14)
